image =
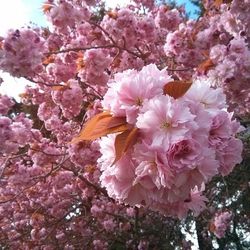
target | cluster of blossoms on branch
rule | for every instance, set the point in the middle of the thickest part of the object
(182, 143)
(221, 41)
(221, 223)
(130, 112)
(22, 53)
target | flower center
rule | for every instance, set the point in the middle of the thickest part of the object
(165, 125)
(138, 101)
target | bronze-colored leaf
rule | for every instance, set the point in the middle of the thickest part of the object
(112, 14)
(46, 8)
(100, 125)
(80, 61)
(218, 3)
(205, 66)
(60, 87)
(49, 59)
(212, 227)
(176, 88)
(124, 141)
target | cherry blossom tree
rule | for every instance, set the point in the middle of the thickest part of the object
(134, 132)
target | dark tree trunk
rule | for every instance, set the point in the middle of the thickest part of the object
(204, 240)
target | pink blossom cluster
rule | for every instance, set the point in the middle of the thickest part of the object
(69, 99)
(5, 104)
(146, 33)
(63, 68)
(63, 15)
(226, 37)
(95, 61)
(54, 41)
(129, 30)
(22, 53)
(53, 105)
(241, 10)
(168, 20)
(183, 142)
(232, 73)
(44, 153)
(181, 45)
(44, 201)
(84, 154)
(14, 133)
(121, 24)
(55, 194)
(221, 223)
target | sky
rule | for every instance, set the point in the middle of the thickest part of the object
(18, 13)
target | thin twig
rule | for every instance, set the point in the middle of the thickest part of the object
(187, 69)
(77, 49)
(43, 83)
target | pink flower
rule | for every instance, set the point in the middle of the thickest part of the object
(228, 148)
(96, 61)
(69, 100)
(201, 92)
(221, 127)
(5, 104)
(184, 154)
(209, 165)
(165, 120)
(131, 89)
(229, 154)
(151, 171)
(118, 178)
(107, 150)
(197, 200)
(109, 225)
(221, 223)
(111, 101)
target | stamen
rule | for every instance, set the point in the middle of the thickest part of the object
(165, 125)
(138, 101)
